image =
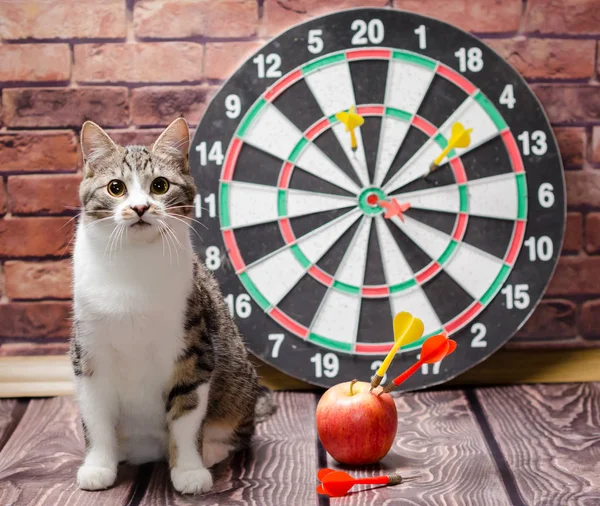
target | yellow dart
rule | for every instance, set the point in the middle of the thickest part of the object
(459, 138)
(407, 329)
(352, 120)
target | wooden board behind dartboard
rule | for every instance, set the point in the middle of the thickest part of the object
(311, 268)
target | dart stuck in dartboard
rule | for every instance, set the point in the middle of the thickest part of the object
(368, 163)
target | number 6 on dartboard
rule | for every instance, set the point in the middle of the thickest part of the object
(374, 161)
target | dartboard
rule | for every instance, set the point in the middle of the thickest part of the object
(444, 199)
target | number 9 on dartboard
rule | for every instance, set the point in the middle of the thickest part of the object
(369, 162)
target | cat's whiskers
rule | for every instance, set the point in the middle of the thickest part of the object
(110, 241)
(163, 227)
(176, 241)
(186, 224)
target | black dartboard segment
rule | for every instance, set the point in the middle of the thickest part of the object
(309, 265)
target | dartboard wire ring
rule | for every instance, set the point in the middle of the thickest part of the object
(460, 320)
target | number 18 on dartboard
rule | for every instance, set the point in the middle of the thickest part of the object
(370, 162)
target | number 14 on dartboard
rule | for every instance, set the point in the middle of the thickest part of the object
(369, 162)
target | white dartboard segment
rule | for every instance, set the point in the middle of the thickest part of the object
(445, 199)
(417, 166)
(337, 317)
(315, 162)
(395, 266)
(255, 204)
(473, 269)
(429, 239)
(407, 84)
(273, 133)
(352, 268)
(315, 244)
(333, 91)
(494, 197)
(391, 137)
(276, 274)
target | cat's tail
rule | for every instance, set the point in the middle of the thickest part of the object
(265, 406)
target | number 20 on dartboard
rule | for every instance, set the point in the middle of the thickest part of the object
(447, 200)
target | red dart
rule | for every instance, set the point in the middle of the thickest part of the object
(338, 483)
(393, 208)
(434, 349)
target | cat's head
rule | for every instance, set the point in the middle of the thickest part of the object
(143, 190)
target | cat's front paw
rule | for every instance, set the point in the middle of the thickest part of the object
(95, 477)
(191, 481)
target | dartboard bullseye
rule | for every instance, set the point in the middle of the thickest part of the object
(371, 162)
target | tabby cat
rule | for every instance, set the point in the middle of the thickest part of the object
(161, 370)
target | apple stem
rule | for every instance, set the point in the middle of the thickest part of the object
(351, 385)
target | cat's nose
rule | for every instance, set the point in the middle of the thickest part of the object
(140, 210)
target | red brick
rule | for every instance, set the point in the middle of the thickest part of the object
(174, 19)
(571, 142)
(223, 58)
(551, 319)
(147, 62)
(81, 19)
(38, 151)
(38, 280)
(57, 107)
(35, 237)
(569, 103)
(576, 276)
(592, 233)
(573, 233)
(159, 105)
(48, 194)
(548, 58)
(596, 144)
(279, 15)
(590, 319)
(3, 198)
(35, 320)
(144, 137)
(583, 188)
(562, 16)
(34, 62)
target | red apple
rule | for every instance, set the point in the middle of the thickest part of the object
(356, 426)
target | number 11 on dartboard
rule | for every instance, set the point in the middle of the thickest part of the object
(369, 162)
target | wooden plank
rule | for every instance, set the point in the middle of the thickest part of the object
(11, 412)
(438, 437)
(279, 469)
(33, 376)
(549, 436)
(39, 463)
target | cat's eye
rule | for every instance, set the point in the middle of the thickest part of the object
(116, 188)
(160, 186)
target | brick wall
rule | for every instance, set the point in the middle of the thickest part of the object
(132, 66)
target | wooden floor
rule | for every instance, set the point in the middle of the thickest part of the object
(520, 445)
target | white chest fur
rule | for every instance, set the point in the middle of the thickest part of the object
(131, 309)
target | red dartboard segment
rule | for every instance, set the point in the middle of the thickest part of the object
(460, 227)
(320, 275)
(427, 272)
(316, 129)
(286, 231)
(457, 79)
(375, 291)
(515, 245)
(285, 175)
(288, 323)
(463, 318)
(513, 151)
(365, 54)
(282, 84)
(370, 110)
(374, 349)
(459, 170)
(424, 125)
(231, 159)
(233, 250)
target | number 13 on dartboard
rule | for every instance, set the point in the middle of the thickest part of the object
(368, 162)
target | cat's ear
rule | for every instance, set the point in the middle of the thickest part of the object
(174, 141)
(95, 144)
